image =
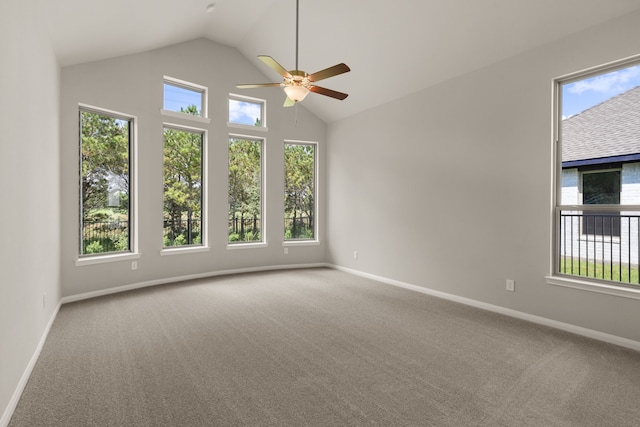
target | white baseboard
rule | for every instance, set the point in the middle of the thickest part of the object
(102, 292)
(578, 330)
(13, 403)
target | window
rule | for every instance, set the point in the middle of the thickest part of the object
(300, 191)
(246, 111)
(601, 187)
(183, 186)
(598, 169)
(184, 97)
(245, 189)
(105, 191)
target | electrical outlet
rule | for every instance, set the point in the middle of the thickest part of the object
(355, 254)
(134, 265)
(511, 285)
(286, 251)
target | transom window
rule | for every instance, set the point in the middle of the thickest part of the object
(246, 111)
(185, 97)
(597, 195)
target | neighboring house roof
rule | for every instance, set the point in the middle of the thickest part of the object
(605, 133)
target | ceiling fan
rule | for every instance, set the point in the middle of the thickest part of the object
(297, 83)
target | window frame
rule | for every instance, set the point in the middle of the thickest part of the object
(204, 223)
(556, 278)
(132, 252)
(204, 96)
(263, 242)
(263, 112)
(316, 183)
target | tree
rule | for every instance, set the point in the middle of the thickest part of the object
(182, 181)
(105, 162)
(244, 186)
(300, 188)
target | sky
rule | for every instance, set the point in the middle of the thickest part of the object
(583, 94)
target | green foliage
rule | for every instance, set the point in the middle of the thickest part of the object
(299, 190)
(182, 179)
(105, 160)
(244, 189)
(94, 248)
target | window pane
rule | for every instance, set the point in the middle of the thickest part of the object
(105, 196)
(299, 193)
(601, 188)
(182, 100)
(182, 187)
(599, 127)
(245, 112)
(245, 190)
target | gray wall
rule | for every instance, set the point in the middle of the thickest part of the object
(133, 85)
(30, 203)
(450, 188)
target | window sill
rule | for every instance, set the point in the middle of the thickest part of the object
(184, 116)
(301, 243)
(233, 246)
(597, 287)
(247, 127)
(102, 259)
(184, 250)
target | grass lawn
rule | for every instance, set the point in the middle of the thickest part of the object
(604, 270)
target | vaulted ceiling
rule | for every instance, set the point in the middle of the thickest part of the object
(394, 47)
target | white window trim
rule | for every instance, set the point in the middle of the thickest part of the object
(316, 239)
(183, 116)
(204, 223)
(133, 253)
(555, 278)
(204, 91)
(263, 199)
(246, 245)
(263, 119)
(106, 258)
(181, 250)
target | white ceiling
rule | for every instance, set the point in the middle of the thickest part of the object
(393, 47)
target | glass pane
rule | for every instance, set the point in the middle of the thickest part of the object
(182, 100)
(601, 188)
(245, 190)
(245, 112)
(105, 201)
(299, 193)
(182, 188)
(599, 128)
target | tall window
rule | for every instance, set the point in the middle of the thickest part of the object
(598, 170)
(299, 191)
(245, 190)
(183, 192)
(105, 191)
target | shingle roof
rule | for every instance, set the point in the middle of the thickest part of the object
(609, 129)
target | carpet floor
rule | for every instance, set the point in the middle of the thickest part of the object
(317, 347)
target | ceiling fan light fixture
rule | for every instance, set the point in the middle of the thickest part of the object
(296, 92)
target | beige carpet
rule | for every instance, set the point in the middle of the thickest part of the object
(317, 347)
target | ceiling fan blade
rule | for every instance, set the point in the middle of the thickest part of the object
(328, 92)
(329, 72)
(275, 66)
(249, 86)
(288, 102)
